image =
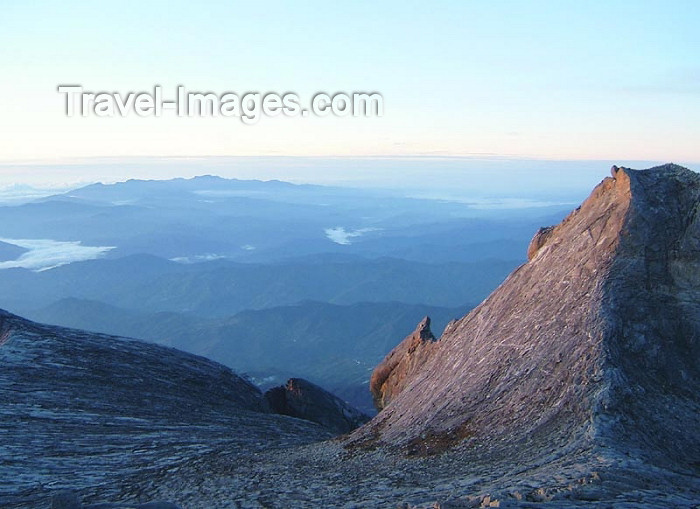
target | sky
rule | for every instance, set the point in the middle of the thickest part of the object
(479, 80)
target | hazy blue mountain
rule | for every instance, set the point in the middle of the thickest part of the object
(334, 346)
(10, 251)
(222, 288)
(253, 221)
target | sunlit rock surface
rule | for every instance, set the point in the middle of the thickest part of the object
(397, 369)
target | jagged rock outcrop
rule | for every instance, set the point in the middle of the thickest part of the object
(397, 369)
(593, 345)
(305, 400)
(539, 240)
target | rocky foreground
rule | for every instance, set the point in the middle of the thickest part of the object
(103, 415)
(575, 383)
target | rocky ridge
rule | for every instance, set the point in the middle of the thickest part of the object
(592, 343)
(574, 384)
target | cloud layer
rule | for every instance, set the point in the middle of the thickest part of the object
(341, 236)
(45, 254)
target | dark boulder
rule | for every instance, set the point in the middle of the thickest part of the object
(305, 400)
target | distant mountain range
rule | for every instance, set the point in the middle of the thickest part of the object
(334, 346)
(147, 283)
(273, 279)
(204, 217)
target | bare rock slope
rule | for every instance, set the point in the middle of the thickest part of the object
(105, 416)
(593, 345)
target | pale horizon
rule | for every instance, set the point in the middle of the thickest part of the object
(520, 80)
(433, 177)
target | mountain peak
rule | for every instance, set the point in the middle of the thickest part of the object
(423, 330)
(591, 345)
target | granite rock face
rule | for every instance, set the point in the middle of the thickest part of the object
(69, 500)
(104, 416)
(305, 400)
(593, 345)
(397, 369)
(539, 240)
